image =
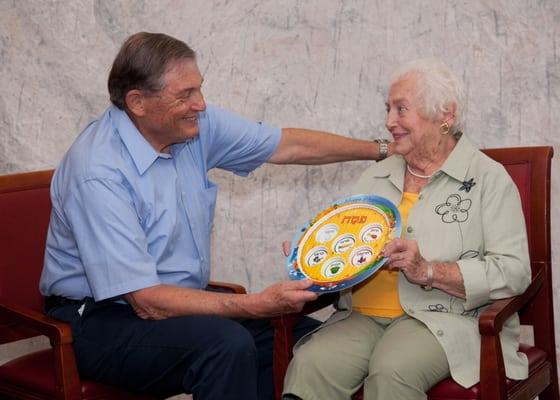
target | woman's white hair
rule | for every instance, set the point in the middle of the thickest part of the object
(436, 89)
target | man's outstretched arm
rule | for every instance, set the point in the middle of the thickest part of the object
(305, 146)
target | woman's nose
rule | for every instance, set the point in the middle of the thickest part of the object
(390, 120)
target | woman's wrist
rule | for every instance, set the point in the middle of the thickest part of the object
(429, 276)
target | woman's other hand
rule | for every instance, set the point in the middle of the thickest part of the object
(405, 256)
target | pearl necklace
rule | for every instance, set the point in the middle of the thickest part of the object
(418, 175)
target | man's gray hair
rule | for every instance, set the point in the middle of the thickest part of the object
(436, 89)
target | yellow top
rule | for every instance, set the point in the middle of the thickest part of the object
(379, 295)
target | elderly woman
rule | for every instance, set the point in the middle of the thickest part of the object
(463, 245)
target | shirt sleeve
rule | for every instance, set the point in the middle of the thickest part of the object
(504, 270)
(234, 143)
(112, 245)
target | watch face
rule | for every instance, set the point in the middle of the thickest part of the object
(343, 244)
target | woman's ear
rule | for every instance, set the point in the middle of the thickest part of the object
(449, 115)
(135, 102)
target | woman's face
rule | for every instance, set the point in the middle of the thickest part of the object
(412, 132)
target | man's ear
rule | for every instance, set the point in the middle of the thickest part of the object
(135, 102)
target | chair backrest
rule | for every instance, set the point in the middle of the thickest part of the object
(530, 169)
(25, 209)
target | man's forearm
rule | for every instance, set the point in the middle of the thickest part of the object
(166, 301)
(304, 146)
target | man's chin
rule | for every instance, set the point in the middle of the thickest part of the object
(191, 134)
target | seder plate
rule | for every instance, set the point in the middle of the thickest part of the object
(342, 245)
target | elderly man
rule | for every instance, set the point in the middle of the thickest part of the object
(128, 250)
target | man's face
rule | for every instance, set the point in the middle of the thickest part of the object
(171, 115)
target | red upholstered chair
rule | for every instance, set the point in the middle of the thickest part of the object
(25, 209)
(530, 169)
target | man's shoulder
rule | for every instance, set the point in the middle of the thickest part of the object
(96, 152)
(214, 116)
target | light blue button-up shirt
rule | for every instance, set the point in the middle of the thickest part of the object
(126, 217)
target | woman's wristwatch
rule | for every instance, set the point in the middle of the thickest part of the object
(383, 148)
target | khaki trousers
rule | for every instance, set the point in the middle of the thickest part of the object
(394, 359)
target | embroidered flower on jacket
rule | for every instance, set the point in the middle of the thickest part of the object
(454, 209)
(437, 308)
(467, 185)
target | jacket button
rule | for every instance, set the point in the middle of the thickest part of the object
(439, 332)
(409, 229)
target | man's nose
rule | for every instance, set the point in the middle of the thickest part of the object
(199, 104)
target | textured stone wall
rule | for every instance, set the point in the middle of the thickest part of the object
(316, 64)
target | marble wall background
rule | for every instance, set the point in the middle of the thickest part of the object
(316, 64)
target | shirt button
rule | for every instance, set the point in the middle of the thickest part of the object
(409, 229)
(420, 197)
(439, 332)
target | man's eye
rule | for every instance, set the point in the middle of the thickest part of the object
(402, 109)
(185, 96)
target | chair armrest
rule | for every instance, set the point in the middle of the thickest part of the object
(226, 287)
(58, 332)
(68, 385)
(492, 370)
(492, 320)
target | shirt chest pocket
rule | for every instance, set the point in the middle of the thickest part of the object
(199, 206)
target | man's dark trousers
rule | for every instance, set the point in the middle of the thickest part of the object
(211, 357)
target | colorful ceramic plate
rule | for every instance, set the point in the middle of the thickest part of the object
(343, 244)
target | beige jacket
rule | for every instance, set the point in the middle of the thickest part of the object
(469, 212)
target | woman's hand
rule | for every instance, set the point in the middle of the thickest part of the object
(404, 256)
(286, 248)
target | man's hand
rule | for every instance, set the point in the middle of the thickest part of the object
(283, 298)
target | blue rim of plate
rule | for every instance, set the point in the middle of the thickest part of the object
(294, 273)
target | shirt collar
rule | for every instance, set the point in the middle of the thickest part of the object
(142, 152)
(456, 165)
(392, 168)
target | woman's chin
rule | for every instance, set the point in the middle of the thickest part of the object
(402, 147)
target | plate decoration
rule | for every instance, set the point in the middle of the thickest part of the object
(342, 245)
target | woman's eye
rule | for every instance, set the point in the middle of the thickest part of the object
(402, 109)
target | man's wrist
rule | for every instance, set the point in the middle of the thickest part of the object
(383, 148)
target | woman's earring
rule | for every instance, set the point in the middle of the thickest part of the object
(444, 128)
